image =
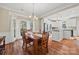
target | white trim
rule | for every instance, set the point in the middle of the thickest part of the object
(59, 10)
(12, 11)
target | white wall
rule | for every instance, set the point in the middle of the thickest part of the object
(4, 20)
(5, 24)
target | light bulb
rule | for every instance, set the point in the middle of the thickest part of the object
(34, 16)
(30, 16)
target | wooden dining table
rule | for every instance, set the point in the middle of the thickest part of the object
(35, 36)
(36, 39)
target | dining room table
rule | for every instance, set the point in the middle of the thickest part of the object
(36, 39)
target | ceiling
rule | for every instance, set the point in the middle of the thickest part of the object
(38, 9)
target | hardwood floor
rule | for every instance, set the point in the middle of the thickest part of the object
(64, 47)
(15, 48)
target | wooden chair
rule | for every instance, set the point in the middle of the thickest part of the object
(45, 38)
(26, 42)
(2, 46)
(43, 47)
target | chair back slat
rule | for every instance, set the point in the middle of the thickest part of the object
(43, 46)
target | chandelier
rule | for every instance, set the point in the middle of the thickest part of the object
(33, 13)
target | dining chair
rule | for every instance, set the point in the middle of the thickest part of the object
(26, 42)
(2, 45)
(43, 46)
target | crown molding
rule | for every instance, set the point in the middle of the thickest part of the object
(11, 11)
(57, 10)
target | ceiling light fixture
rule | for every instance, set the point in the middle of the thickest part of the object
(33, 13)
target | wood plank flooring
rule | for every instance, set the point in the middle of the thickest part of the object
(64, 47)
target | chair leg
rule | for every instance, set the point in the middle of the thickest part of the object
(2, 52)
